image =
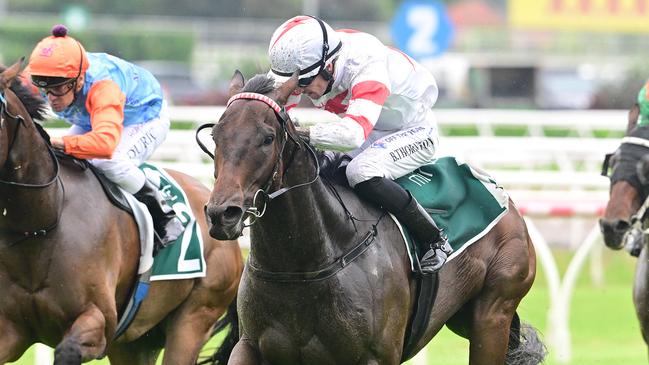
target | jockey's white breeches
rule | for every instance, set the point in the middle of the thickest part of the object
(137, 144)
(392, 154)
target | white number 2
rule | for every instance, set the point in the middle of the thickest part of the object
(425, 21)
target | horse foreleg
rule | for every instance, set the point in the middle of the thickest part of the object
(244, 353)
(85, 340)
(187, 335)
(12, 342)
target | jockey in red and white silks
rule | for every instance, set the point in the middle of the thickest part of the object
(384, 100)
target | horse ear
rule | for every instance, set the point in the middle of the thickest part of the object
(8, 75)
(236, 83)
(286, 89)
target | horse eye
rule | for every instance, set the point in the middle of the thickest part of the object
(268, 140)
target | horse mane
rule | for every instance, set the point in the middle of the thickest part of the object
(35, 104)
(260, 83)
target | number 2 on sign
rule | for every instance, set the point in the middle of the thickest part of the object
(425, 22)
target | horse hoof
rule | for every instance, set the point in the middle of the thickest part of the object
(67, 355)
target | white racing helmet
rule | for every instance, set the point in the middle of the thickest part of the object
(302, 43)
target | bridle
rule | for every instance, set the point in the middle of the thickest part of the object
(262, 195)
(4, 112)
(335, 266)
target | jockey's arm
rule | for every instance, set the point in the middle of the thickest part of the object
(370, 89)
(105, 103)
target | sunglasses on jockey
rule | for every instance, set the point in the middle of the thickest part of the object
(59, 89)
(306, 81)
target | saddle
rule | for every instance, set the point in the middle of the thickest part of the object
(112, 191)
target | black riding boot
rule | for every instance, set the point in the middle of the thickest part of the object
(165, 223)
(419, 222)
(393, 198)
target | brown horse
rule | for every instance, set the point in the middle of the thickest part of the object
(310, 292)
(625, 217)
(68, 258)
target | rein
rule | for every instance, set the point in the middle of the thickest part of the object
(4, 111)
(318, 275)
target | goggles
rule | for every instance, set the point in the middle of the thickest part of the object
(304, 82)
(59, 90)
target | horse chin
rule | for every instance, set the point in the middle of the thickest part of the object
(229, 232)
(613, 238)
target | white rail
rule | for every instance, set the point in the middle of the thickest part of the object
(583, 122)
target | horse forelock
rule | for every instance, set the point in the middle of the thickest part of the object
(260, 83)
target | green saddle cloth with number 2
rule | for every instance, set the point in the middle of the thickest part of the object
(184, 258)
(465, 202)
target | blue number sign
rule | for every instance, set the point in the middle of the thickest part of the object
(422, 28)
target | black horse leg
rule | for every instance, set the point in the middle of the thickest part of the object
(244, 353)
(12, 343)
(641, 293)
(84, 341)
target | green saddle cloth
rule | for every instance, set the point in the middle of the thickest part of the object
(183, 259)
(462, 200)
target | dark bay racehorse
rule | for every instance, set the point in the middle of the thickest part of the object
(306, 296)
(68, 258)
(625, 216)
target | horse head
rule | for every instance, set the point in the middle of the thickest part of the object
(18, 108)
(250, 140)
(621, 224)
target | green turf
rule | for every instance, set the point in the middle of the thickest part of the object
(602, 321)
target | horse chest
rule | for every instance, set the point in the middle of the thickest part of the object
(305, 325)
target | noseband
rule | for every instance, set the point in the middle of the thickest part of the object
(283, 119)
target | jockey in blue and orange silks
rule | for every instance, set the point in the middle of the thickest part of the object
(118, 116)
(384, 100)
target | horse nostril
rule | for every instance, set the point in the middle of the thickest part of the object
(621, 226)
(232, 213)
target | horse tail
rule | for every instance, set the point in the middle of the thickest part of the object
(525, 345)
(222, 353)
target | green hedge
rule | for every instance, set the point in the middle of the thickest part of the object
(127, 42)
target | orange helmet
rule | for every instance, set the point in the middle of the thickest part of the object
(57, 59)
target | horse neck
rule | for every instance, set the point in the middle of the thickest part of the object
(28, 162)
(305, 228)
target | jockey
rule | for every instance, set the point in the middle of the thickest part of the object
(385, 101)
(118, 117)
(639, 113)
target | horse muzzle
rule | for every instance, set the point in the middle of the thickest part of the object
(225, 221)
(613, 231)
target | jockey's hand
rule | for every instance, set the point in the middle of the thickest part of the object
(57, 143)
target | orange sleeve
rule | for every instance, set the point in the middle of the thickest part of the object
(105, 104)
